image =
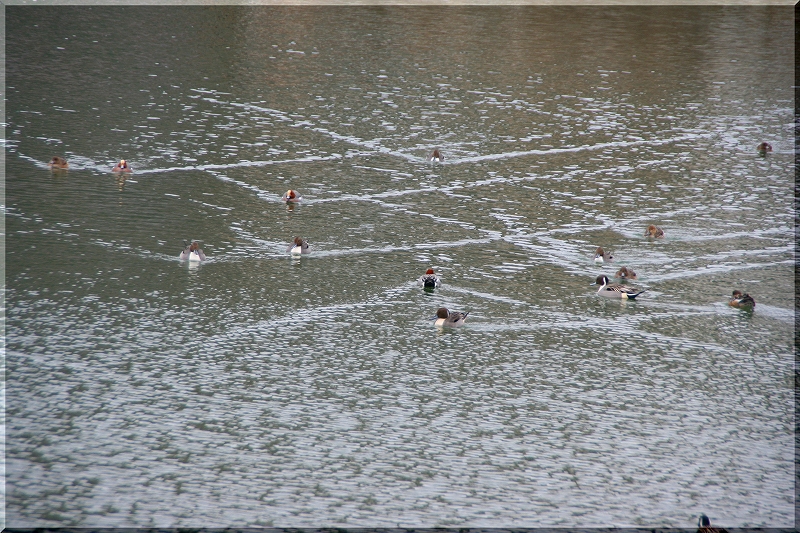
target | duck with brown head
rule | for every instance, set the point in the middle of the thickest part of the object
(122, 166)
(58, 163)
(450, 319)
(625, 273)
(193, 253)
(741, 300)
(291, 196)
(601, 256)
(436, 156)
(654, 232)
(299, 246)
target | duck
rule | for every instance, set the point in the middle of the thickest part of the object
(291, 196)
(58, 163)
(122, 166)
(625, 273)
(430, 280)
(451, 319)
(704, 526)
(742, 300)
(601, 256)
(654, 231)
(764, 147)
(298, 246)
(616, 291)
(193, 253)
(436, 156)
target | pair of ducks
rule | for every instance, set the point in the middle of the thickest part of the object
(299, 246)
(193, 252)
(59, 163)
(444, 317)
(738, 299)
(601, 256)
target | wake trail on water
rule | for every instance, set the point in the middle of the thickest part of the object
(373, 146)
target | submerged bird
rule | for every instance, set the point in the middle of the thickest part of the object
(430, 280)
(704, 526)
(298, 246)
(193, 253)
(451, 319)
(616, 291)
(625, 273)
(654, 231)
(122, 166)
(58, 163)
(436, 156)
(764, 147)
(602, 256)
(291, 196)
(742, 300)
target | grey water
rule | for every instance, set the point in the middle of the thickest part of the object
(259, 389)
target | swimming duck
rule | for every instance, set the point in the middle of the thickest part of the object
(763, 148)
(122, 166)
(452, 319)
(704, 526)
(58, 163)
(291, 196)
(616, 291)
(193, 253)
(742, 300)
(436, 156)
(625, 273)
(601, 256)
(298, 246)
(430, 280)
(654, 231)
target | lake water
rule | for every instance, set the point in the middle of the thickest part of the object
(258, 389)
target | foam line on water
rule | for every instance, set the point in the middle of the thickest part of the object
(375, 143)
(716, 269)
(238, 164)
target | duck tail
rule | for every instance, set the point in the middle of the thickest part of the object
(633, 296)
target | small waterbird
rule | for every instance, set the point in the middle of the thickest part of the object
(625, 273)
(58, 163)
(452, 319)
(436, 156)
(704, 526)
(298, 246)
(742, 300)
(122, 166)
(610, 290)
(192, 253)
(654, 231)
(291, 196)
(601, 256)
(430, 280)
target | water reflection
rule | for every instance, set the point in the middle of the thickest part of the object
(261, 389)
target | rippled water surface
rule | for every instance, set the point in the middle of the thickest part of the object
(258, 389)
